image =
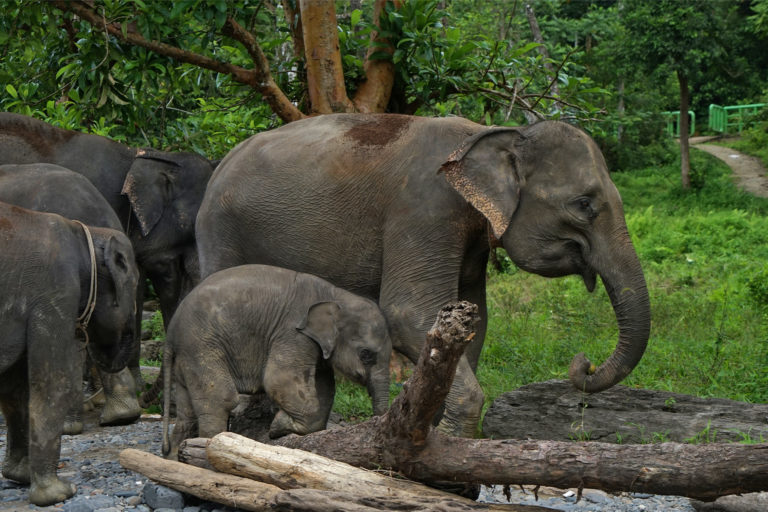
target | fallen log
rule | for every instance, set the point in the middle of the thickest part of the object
(403, 440)
(363, 491)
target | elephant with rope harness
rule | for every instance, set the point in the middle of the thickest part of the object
(55, 275)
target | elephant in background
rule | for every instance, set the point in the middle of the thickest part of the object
(54, 189)
(259, 328)
(47, 271)
(155, 194)
(405, 210)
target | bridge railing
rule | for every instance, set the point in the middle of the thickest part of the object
(732, 117)
(673, 122)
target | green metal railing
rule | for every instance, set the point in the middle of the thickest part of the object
(723, 119)
(673, 122)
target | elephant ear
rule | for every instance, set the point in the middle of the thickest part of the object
(484, 171)
(320, 325)
(146, 186)
(118, 260)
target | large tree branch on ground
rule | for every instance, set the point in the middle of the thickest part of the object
(325, 74)
(374, 93)
(404, 441)
(306, 482)
(259, 78)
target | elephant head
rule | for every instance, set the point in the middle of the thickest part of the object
(111, 331)
(165, 191)
(547, 195)
(354, 338)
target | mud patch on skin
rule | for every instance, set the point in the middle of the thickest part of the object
(379, 129)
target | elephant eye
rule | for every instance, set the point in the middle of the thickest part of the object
(584, 205)
(368, 357)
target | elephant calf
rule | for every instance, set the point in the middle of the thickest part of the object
(254, 327)
(54, 273)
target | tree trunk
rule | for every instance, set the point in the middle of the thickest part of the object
(374, 93)
(685, 162)
(536, 32)
(325, 75)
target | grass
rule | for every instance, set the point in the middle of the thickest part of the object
(705, 258)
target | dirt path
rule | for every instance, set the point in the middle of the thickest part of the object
(748, 171)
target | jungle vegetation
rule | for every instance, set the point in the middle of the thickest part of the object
(202, 75)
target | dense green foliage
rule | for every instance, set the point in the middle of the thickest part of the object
(475, 59)
(705, 252)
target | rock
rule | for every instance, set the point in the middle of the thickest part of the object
(753, 502)
(158, 496)
(88, 503)
(554, 410)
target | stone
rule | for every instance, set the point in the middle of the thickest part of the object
(752, 502)
(554, 410)
(159, 496)
(88, 503)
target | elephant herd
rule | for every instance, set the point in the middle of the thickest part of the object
(314, 248)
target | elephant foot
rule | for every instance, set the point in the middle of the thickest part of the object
(17, 470)
(72, 427)
(121, 406)
(50, 489)
(283, 424)
(120, 412)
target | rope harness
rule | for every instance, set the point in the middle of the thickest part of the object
(85, 316)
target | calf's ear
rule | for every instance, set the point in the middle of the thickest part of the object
(319, 324)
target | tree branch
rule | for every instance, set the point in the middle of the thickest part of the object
(259, 79)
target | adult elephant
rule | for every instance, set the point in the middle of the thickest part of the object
(404, 210)
(55, 189)
(155, 194)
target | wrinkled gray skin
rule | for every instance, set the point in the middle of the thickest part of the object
(403, 210)
(259, 328)
(55, 189)
(45, 275)
(155, 194)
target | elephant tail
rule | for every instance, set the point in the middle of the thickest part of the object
(166, 380)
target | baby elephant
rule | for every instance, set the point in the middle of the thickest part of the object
(255, 327)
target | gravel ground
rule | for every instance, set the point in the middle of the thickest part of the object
(90, 461)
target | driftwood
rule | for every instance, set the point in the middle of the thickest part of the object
(304, 481)
(403, 441)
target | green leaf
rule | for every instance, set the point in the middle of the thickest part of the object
(12, 91)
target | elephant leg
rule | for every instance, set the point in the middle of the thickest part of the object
(411, 307)
(73, 421)
(50, 393)
(134, 366)
(121, 406)
(294, 389)
(14, 404)
(212, 395)
(185, 426)
(472, 289)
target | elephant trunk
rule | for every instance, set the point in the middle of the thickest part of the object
(623, 278)
(378, 389)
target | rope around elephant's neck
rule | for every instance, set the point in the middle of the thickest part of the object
(85, 316)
